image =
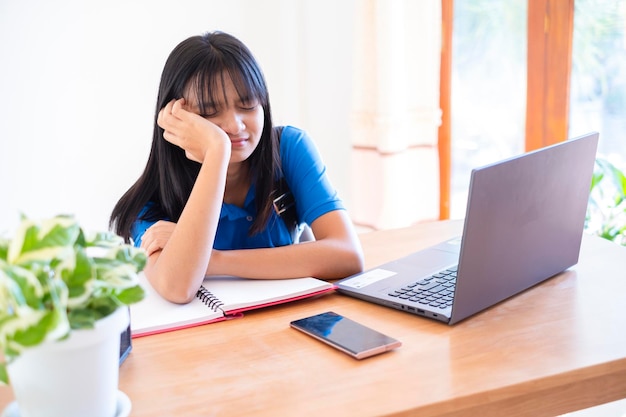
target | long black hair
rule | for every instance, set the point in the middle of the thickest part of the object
(200, 62)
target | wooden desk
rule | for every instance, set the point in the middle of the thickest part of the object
(557, 347)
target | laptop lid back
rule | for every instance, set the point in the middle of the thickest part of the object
(524, 222)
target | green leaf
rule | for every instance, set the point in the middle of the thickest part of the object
(117, 275)
(131, 295)
(104, 305)
(104, 240)
(46, 235)
(4, 376)
(35, 334)
(78, 277)
(82, 318)
(596, 179)
(132, 255)
(99, 307)
(4, 248)
(21, 286)
(606, 211)
(619, 179)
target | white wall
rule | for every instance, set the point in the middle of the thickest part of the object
(78, 83)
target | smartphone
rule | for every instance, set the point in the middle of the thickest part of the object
(347, 335)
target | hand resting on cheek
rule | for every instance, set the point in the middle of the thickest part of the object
(189, 131)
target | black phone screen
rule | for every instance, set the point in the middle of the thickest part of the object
(347, 335)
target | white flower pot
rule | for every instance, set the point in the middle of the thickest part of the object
(76, 377)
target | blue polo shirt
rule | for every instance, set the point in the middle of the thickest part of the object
(305, 174)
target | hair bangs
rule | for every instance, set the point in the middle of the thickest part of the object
(210, 85)
(248, 82)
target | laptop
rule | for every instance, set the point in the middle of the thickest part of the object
(524, 224)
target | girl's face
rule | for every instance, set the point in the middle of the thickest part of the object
(240, 117)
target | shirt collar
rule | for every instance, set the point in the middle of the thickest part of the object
(234, 212)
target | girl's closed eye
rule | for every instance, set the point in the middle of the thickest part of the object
(208, 111)
(248, 104)
(205, 111)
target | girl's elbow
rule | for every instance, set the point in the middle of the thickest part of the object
(181, 297)
(352, 263)
(175, 292)
(357, 262)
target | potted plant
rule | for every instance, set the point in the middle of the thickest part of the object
(63, 305)
(606, 212)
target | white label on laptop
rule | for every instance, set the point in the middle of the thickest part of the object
(368, 278)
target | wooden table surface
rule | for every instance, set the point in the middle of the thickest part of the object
(557, 347)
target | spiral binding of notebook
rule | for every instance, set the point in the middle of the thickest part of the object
(209, 299)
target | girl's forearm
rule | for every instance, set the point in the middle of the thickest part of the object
(178, 269)
(335, 254)
(325, 260)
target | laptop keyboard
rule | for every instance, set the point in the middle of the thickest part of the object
(436, 290)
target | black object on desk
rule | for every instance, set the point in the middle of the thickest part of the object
(125, 343)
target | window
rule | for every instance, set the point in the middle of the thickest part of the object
(598, 79)
(488, 88)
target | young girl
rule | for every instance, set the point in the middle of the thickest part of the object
(223, 191)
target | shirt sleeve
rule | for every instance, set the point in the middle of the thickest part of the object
(140, 226)
(306, 176)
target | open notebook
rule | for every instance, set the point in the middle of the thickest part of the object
(219, 298)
